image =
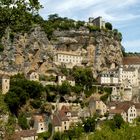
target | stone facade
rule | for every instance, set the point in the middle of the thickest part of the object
(40, 123)
(126, 109)
(61, 78)
(99, 22)
(5, 83)
(130, 74)
(33, 76)
(96, 105)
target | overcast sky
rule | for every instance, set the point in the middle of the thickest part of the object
(123, 14)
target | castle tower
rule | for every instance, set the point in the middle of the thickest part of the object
(5, 84)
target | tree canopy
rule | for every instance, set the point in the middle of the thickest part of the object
(18, 15)
(20, 91)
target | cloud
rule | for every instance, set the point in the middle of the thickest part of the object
(132, 46)
(124, 15)
(108, 9)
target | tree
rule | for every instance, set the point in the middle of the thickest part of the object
(108, 25)
(75, 131)
(57, 136)
(89, 124)
(18, 15)
(118, 121)
(21, 90)
(13, 101)
(65, 88)
(22, 121)
(53, 17)
(83, 77)
(3, 106)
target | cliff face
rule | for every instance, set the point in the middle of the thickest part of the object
(35, 52)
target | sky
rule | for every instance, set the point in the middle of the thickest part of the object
(123, 14)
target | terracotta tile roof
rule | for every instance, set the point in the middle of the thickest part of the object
(56, 120)
(65, 108)
(113, 103)
(115, 111)
(125, 105)
(120, 106)
(27, 133)
(22, 134)
(137, 105)
(62, 115)
(131, 60)
(59, 117)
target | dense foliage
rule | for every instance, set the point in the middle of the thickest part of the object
(22, 121)
(20, 91)
(18, 15)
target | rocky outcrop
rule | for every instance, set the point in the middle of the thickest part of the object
(33, 51)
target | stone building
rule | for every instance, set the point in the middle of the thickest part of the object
(61, 78)
(99, 22)
(97, 106)
(110, 77)
(126, 109)
(5, 83)
(130, 74)
(32, 75)
(70, 59)
(64, 118)
(40, 124)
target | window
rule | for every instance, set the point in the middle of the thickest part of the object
(41, 128)
(65, 127)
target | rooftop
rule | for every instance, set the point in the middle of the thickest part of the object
(131, 60)
(68, 53)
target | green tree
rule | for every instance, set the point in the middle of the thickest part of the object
(118, 121)
(108, 25)
(75, 131)
(57, 136)
(3, 106)
(13, 101)
(53, 17)
(22, 121)
(18, 15)
(89, 124)
(83, 77)
(65, 88)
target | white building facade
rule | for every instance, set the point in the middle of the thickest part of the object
(130, 74)
(68, 58)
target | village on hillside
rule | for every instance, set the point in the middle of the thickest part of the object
(124, 99)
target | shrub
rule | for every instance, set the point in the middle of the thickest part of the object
(22, 121)
(93, 28)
